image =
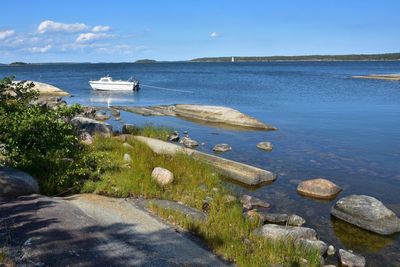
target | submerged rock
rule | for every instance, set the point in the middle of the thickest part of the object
(349, 259)
(222, 148)
(162, 176)
(14, 183)
(91, 126)
(368, 213)
(318, 188)
(267, 146)
(249, 202)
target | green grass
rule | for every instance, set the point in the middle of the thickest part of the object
(150, 130)
(225, 229)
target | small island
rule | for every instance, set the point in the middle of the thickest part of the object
(146, 61)
(18, 63)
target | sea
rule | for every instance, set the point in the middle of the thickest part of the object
(330, 125)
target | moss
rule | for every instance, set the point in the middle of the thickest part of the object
(225, 229)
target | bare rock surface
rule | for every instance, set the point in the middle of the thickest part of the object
(222, 148)
(349, 259)
(250, 202)
(14, 183)
(162, 176)
(276, 232)
(189, 212)
(267, 146)
(237, 171)
(392, 77)
(318, 188)
(211, 114)
(91, 126)
(91, 230)
(368, 213)
(48, 89)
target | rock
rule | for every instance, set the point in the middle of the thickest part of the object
(91, 126)
(47, 89)
(267, 146)
(115, 113)
(276, 232)
(331, 250)
(162, 176)
(295, 220)
(249, 202)
(88, 112)
(14, 183)
(126, 145)
(100, 116)
(129, 129)
(279, 218)
(127, 158)
(189, 212)
(348, 259)
(213, 114)
(229, 198)
(318, 188)
(314, 244)
(190, 143)
(173, 137)
(222, 148)
(86, 138)
(237, 171)
(368, 213)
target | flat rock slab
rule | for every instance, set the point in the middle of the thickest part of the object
(237, 171)
(318, 188)
(250, 202)
(91, 230)
(368, 213)
(15, 183)
(48, 89)
(210, 114)
(349, 259)
(189, 212)
(279, 232)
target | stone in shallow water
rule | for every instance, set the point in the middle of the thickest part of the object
(222, 148)
(267, 146)
(348, 259)
(190, 143)
(314, 244)
(276, 232)
(318, 188)
(295, 220)
(368, 213)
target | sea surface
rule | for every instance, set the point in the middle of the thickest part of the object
(330, 125)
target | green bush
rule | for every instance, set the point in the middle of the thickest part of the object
(41, 141)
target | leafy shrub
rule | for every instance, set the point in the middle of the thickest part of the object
(41, 140)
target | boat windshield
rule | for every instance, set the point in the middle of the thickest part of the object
(106, 79)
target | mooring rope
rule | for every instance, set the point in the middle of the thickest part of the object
(167, 89)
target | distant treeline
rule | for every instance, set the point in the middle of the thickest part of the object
(389, 56)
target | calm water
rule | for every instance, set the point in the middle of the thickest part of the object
(330, 125)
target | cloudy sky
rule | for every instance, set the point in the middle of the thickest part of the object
(115, 31)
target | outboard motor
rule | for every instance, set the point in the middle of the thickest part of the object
(136, 85)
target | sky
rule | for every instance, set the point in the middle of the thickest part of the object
(125, 31)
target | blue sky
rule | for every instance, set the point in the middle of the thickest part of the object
(115, 31)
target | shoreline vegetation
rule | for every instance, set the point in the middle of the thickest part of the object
(41, 140)
(300, 58)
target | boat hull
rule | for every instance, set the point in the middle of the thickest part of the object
(102, 86)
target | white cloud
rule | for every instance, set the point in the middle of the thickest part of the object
(37, 49)
(5, 34)
(90, 36)
(100, 28)
(52, 26)
(214, 34)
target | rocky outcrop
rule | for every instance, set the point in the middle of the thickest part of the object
(211, 114)
(349, 259)
(267, 146)
(391, 77)
(162, 176)
(189, 212)
(91, 126)
(279, 232)
(368, 213)
(14, 183)
(278, 218)
(318, 188)
(234, 170)
(222, 148)
(47, 89)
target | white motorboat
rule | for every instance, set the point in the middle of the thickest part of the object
(108, 84)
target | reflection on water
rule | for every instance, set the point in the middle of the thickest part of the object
(112, 98)
(359, 239)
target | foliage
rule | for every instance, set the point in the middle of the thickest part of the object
(40, 140)
(194, 181)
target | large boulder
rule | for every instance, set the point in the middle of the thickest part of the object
(368, 213)
(15, 183)
(91, 126)
(318, 188)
